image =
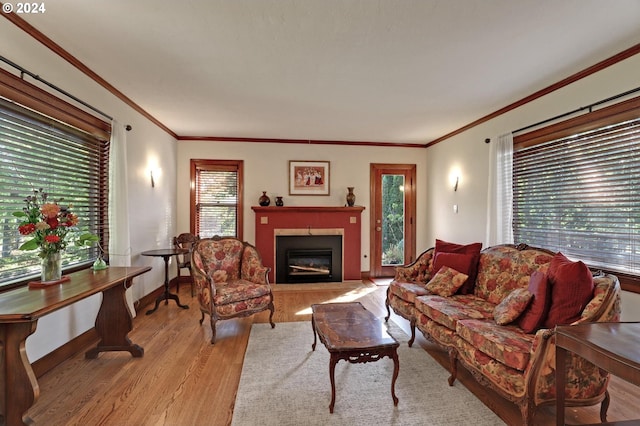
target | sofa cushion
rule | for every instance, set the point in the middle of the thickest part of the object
(470, 249)
(536, 313)
(407, 291)
(446, 281)
(512, 306)
(447, 310)
(571, 290)
(508, 345)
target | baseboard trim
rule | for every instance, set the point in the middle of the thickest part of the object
(64, 352)
(87, 339)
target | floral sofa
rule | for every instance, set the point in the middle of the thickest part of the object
(500, 327)
(230, 280)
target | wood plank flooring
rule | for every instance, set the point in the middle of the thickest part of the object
(184, 380)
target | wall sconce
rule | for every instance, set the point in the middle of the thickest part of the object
(455, 185)
(153, 182)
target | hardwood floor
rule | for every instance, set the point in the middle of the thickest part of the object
(184, 380)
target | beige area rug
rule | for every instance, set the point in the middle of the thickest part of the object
(284, 382)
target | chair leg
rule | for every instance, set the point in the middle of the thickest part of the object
(193, 292)
(604, 407)
(272, 309)
(213, 329)
(178, 281)
(386, 303)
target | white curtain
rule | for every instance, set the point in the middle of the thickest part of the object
(500, 194)
(119, 239)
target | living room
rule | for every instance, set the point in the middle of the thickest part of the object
(162, 210)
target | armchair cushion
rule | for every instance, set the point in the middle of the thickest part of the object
(237, 290)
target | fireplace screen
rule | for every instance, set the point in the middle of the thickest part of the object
(306, 264)
(308, 258)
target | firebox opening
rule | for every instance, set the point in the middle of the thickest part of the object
(308, 264)
(308, 258)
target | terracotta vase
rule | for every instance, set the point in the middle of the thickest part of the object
(264, 200)
(351, 197)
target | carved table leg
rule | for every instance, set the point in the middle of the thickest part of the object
(113, 323)
(19, 384)
(396, 369)
(332, 370)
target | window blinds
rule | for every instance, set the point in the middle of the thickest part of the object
(580, 195)
(39, 152)
(216, 201)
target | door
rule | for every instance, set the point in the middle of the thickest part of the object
(392, 222)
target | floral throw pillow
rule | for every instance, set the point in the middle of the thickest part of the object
(512, 306)
(446, 282)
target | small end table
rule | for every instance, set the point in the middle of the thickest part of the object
(166, 295)
(612, 346)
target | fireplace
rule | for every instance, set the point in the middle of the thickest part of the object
(275, 222)
(308, 258)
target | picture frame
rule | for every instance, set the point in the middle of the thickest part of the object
(309, 177)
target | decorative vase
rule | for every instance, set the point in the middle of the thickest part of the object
(51, 267)
(100, 264)
(351, 197)
(279, 202)
(264, 200)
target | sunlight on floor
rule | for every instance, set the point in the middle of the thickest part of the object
(347, 297)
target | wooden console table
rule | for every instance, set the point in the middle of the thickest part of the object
(20, 310)
(612, 346)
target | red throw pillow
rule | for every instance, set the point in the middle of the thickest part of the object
(458, 261)
(472, 249)
(571, 290)
(536, 313)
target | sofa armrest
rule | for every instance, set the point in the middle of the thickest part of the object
(417, 271)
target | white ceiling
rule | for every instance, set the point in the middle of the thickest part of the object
(405, 71)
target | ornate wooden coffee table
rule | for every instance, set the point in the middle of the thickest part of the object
(352, 333)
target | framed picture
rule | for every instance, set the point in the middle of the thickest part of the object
(308, 178)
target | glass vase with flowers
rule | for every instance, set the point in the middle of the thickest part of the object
(50, 226)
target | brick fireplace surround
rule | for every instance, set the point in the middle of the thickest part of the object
(345, 221)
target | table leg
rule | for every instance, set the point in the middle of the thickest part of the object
(332, 370)
(166, 295)
(19, 384)
(113, 323)
(396, 369)
(313, 326)
(561, 356)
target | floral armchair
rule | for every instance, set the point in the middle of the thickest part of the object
(230, 280)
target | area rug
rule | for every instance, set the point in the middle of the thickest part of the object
(284, 382)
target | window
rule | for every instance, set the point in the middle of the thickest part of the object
(40, 152)
(576, 188)
(216, 198)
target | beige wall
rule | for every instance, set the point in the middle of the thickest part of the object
(468, 153)
(266, 168)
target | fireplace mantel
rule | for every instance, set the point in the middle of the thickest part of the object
(272, 218)
(307, 209)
